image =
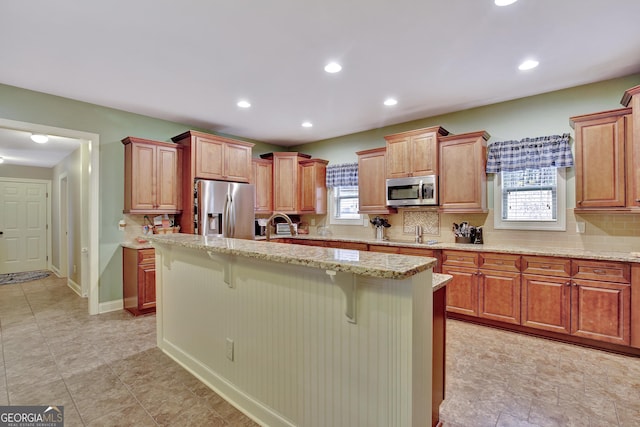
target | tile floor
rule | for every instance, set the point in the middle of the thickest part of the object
(106, 371)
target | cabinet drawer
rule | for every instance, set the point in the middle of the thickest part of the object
(146, 256)
(602, 271)
(347, 245)
(501, 262)
(385, 249)
(460, 258)
(546, 266)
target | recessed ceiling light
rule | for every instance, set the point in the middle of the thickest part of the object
(332, 67)
(307, 124)
(39, 138)
(528, 64)
(390, 101)
(504, 2)
(244, 104)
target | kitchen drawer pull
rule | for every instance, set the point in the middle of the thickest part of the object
(568, 283)
(545, 266)
(460, 258)
(597, 271)
(499, 262)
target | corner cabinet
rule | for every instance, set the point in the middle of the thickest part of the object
(213, 157)
(263, 180)
(139, 280)
(413, 153)
(299, 183)
(463, 178)
(313, 186)
(372, 198)
(603, 141)
(152, 176)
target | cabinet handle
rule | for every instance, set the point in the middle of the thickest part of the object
(579, 202)
(545, 266)
(600, 271)
(499, 262)
(638, 200)
(460, 259)
(568, 283)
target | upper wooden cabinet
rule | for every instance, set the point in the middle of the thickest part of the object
(413, 153)
(151, 176)
(463, 180)
(299, 183)
(263, 180)
(372, 166)
(602, 142)
(313, 186)
(216, 157)
(631, 99)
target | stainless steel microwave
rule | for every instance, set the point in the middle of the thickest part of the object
(412, 191)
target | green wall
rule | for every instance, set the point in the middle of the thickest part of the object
(111, 125)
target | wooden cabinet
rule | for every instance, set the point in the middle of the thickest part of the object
(463, 180)
(631, 99)
(212, 157)
(601, 144)
(313, 186)
(462, 290)
(372, 198)
(299, 183)
(546, 293)
(263, 181)
(139, 280)
(413, 153)
(151, 176)
(499, 287)
(601, 301)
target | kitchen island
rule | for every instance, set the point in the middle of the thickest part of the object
(300, 336)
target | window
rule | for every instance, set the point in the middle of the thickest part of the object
(531, 199)
(344, 205)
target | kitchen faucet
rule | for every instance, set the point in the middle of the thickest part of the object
(286, 218)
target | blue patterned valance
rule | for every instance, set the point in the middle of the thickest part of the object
(342, 175)
(530, 153)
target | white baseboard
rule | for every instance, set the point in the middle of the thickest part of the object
(74, 286)
(56, 271)
(115, 305)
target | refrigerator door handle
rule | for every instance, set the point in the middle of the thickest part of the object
(232, 217)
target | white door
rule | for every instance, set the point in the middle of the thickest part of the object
(23, 224)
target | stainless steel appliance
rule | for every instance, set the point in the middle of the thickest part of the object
(412, 191)
(225, 209)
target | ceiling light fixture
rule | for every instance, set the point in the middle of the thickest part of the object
(390, 101)
(332, 67)
(528, 65)
(504, 2)
(244, 104)
(307, 124)
(1, 159)
(39, 138)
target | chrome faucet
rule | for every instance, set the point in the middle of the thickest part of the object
(280, 215)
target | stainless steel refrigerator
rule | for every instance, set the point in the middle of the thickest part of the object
(225, 209)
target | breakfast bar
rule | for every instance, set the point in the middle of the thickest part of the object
(301, 336)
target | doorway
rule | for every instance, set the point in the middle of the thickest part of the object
(89, 217)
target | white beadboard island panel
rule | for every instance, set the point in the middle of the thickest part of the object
(297, 360)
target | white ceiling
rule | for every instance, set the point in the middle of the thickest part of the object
(17, 148)
(190, 61)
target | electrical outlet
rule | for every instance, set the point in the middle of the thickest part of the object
(313, 221)
(230, 349)
(580, 227)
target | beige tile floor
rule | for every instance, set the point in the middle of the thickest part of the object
(106, 371)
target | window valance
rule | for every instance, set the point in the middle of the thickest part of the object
(530, 153)
(342, 175)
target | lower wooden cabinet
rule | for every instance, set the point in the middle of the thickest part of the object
(499, 296)
(139, 280)
(462, 290)
(546, 303)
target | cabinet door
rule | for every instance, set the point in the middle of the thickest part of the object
(599, 166)
(499, 296)
(285, 184)
(424, 154)
(307, 187)
(209, 158)
(398, 157)
(601, 311)
(462, 290)
(168, 179)
(263, 181)
(143, 175)
(237, 163)
(372, 176)
(546, 303)
(632, 149)
(462, 173)
(146, 286)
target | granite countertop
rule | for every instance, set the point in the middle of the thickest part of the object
(372, 264)
(137, 245)
(440, 280)
(522, 250)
